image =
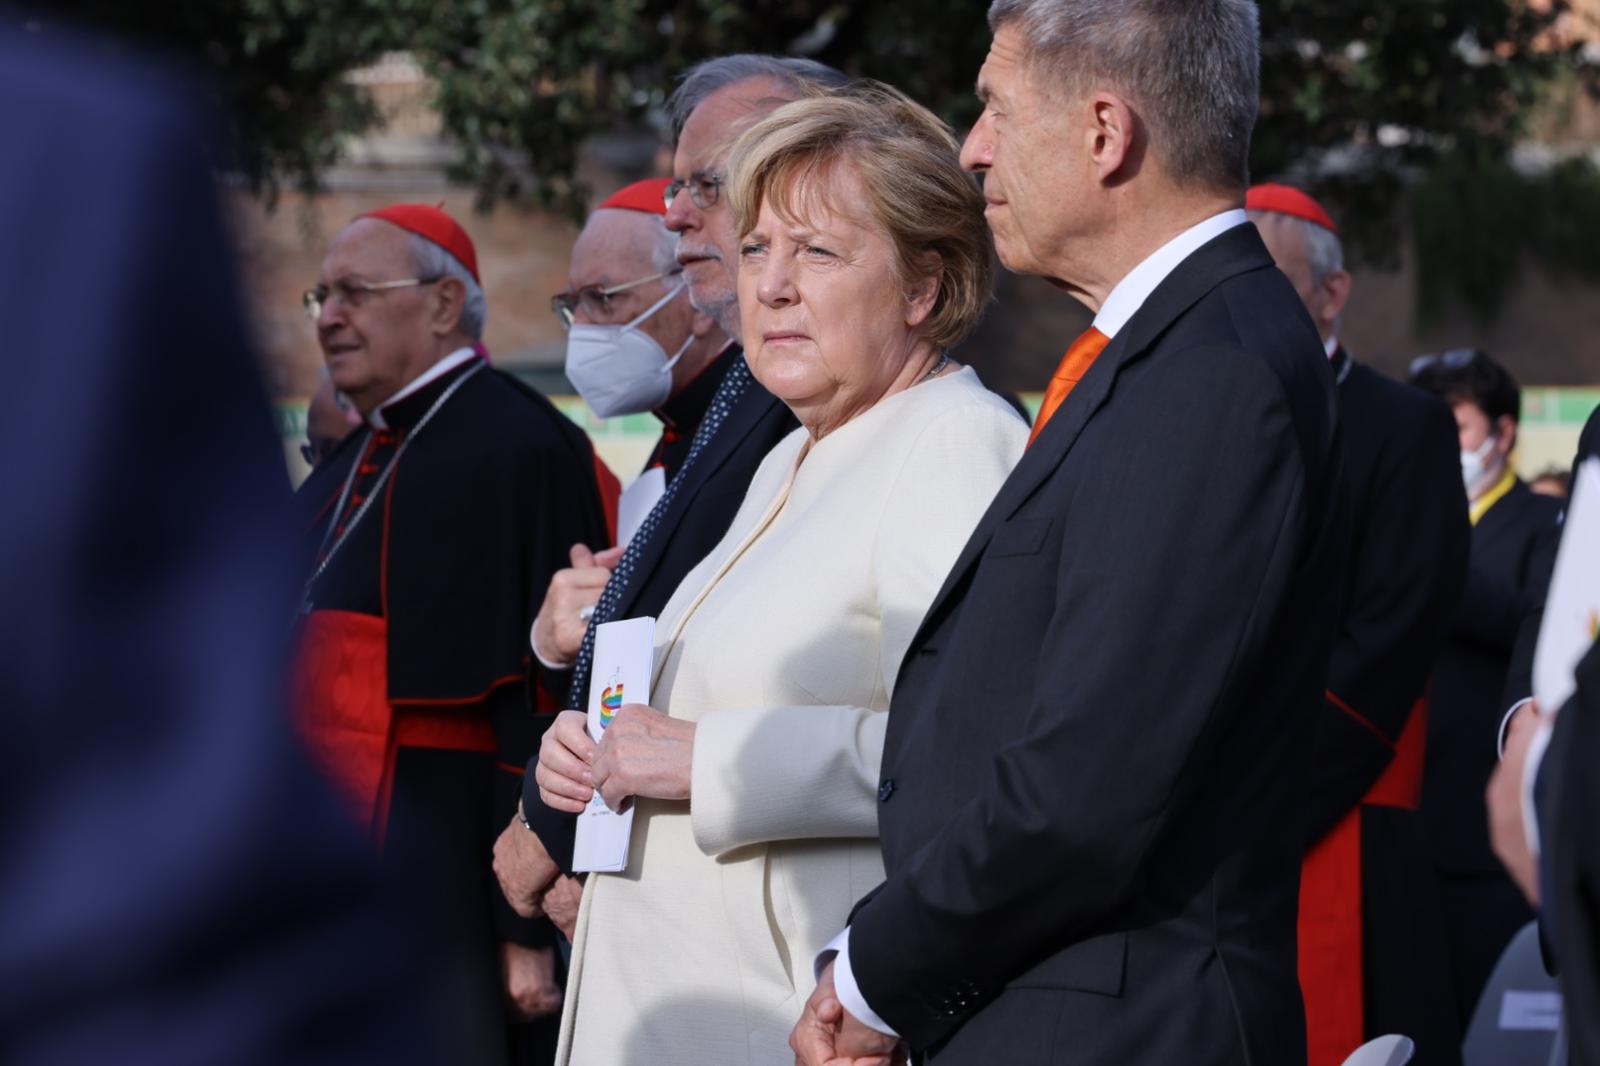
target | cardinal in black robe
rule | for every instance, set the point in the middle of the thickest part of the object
(430, 534)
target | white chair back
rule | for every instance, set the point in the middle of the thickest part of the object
(1388, 1050)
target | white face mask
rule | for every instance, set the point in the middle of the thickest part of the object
(1476, 466)
(621, 370)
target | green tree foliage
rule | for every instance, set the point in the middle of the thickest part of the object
(1361, 99)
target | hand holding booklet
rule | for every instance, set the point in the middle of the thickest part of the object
(623, 656)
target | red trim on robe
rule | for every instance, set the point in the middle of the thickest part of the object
(610, 492)
(341, 704)
(1330, 926)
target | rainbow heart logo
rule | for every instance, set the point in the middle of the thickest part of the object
(610, 703)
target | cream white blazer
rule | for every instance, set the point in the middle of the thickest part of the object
(782, 646)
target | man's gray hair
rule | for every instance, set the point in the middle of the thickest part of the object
(429, 260)
(703, 79)
(1324, 249)
(1192, 68)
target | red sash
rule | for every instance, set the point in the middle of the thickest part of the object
(341, 701)
(1330, 907)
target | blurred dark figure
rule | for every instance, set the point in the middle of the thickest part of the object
(1373, 958)
(329, 419)
(1513, 535)
(1552, 481)
(176, 887)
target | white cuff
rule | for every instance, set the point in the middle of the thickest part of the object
(844, 984)
(1530, 774)
(533, 642)
(1505, 725)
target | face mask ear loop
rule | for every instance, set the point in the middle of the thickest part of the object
(653, 308)
(679, 353)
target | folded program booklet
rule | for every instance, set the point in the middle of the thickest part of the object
(623, 654)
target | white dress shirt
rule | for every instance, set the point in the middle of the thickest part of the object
(1120, 306)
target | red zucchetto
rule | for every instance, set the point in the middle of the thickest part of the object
(434, 225)
(647, 196)
(1287, 200)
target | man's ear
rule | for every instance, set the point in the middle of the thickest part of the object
(1505, 431)
(1336, 293)
(449, 301)
(1111, 132)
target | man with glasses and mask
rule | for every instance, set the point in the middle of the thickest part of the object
(715, 101)
(1514, 533)
(634, 345)
(430, 533)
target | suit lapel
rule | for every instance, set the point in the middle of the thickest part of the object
(1237, 251)
(743, 420)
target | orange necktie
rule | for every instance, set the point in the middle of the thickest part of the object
(1076, 363)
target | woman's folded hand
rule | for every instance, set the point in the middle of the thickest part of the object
(643, 753)
(565, 754)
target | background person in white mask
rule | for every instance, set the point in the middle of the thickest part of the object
(1514, 532)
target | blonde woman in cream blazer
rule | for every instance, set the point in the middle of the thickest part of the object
(755, 772)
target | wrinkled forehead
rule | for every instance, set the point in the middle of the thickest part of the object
(819, 192)
(716, 123)
(616, 246)
(368, 249)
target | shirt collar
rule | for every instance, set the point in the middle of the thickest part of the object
(1133, 290)
(459, 357)
(1496, 493)
(1331, 346)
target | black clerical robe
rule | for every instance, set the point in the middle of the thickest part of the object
(413, 685)
(1372, 952)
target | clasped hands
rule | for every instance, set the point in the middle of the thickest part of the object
(642, 753)
(828, 1035)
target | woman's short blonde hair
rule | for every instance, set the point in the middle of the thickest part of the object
(909, 164)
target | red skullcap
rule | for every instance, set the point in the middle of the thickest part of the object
(433, 224)
(1287, 200)
(648, 196)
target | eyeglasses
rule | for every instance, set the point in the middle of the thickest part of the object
(310, 453)
(352, 293)
(595, 301)
(705, 188)
(1455, 359)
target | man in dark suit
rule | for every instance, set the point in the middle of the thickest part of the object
(1094, 774)
(1513, 536)
(178, 885)
(1373, 958)
(714, 101)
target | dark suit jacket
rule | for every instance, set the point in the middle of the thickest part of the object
(1569, 810)
(1093, 777)
(178, 886)
(1511, 546)
(700, 514)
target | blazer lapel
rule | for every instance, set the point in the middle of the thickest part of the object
(1227, 255)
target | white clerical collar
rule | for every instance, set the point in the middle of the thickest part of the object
(1331, 346)
(459, 357)
(1133, 290)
